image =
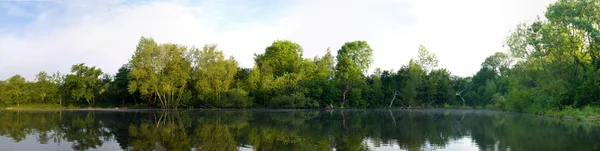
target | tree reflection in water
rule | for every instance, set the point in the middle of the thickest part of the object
(298, 129)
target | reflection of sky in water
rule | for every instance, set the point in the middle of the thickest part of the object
(30, 143)
(462, 144)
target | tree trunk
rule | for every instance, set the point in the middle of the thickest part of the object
(392, 101)
(344, 97)
(160, 99)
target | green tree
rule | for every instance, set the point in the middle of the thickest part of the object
(16, 89)
(84, 83)
(283, 56)
(412, 79)
(3, 90)
(353, 59)
(374, 93)
(427, 59)
(118, 87)
(441, 90)
(160, 72)
(47, 90)
(61, 89)
(212, 74)
(275, 80)
(320, 85)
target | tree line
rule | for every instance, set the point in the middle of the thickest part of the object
(175, 76)
(550, 64)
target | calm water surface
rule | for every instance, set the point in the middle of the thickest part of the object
(279, 130)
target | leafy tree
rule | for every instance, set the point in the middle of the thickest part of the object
(427, 59)
(47, 90)
(119, 86)
(3, 89)
(412, 79)
(460, 85)
(213, 75)
(374, 93)
(16, 89)
(275, 80)
(441, 90)
(320, 84)
(61, 89)
(353, 59)
(283, 56)
(160, 72)
(84, 83)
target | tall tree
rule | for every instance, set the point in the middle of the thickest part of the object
(59, 81)
(119, 85)
(212, 74)
(412, 80)
(161, 72)
(283, 56)
(440, 87)
(16, 89)
(3, 89)
(84, 83)
(320, 84)
(353, 60)
(46, 89)
(427, 59)
(278, 72)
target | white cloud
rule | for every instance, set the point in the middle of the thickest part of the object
(462, 33)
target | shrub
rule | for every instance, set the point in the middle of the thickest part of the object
(235, 98)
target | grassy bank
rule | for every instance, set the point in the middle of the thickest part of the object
(36, 107)
(588, 113)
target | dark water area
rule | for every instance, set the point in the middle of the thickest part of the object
(280, 130)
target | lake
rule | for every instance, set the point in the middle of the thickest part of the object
(214, 130)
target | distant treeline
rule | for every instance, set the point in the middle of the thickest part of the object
(175, 76)
(551, 64)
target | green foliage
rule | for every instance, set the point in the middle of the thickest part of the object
(15, 90)
(84, 83)
(235, 98)
(118, 88)
(354, 59)
(427, 59)
(160, 72)
(283, 56)
(440, 88)
(294, 100)
(212, 75)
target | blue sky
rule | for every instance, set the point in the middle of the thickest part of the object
(55, 34)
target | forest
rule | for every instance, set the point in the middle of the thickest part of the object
(550, 64)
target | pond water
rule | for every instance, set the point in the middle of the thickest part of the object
(214, 130)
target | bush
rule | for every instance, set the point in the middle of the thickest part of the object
(294, 100)
(446, 105)
(235, 98)
(499, 101)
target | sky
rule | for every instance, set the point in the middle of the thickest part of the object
(52, 35)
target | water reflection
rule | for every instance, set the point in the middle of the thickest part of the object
(292, 130)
